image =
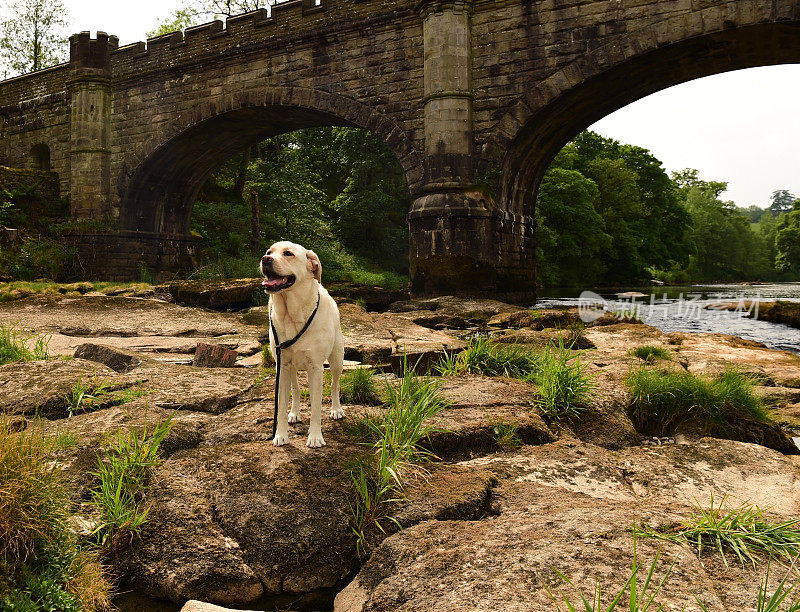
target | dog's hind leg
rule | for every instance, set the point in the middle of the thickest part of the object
(294, 413)
(315, 439)
(336, 360)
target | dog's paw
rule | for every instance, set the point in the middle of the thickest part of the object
(280, 439)
(294, 418)
(337, 413)
(315, 440)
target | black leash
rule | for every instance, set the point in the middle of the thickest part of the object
(279, 346)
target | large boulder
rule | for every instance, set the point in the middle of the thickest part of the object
(569, 507)
(216, 295)
(118, 360)
(233, 522)
(43, 387)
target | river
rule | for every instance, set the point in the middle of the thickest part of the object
(683, 308)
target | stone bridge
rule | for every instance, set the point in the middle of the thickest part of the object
(474, 97)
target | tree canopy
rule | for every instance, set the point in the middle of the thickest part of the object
(32, 36)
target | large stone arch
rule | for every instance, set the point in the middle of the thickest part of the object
(160, 180)
(667, 53)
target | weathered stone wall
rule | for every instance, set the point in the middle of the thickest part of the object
(125, 255)
(473, 96)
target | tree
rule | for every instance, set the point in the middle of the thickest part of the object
(194, 12)
(33, 37)
(781, 202)
(787, 242)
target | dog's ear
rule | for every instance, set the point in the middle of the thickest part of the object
(314, 265)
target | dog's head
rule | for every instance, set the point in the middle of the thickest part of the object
(286, 264)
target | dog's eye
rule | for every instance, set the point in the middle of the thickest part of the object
(288, 254)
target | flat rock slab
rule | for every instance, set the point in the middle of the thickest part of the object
(96, 316)
(672, 474)
(42, 387)
(381, 338)
(569, 508)
(448, 312)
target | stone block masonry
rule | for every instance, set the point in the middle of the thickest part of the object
(474, 97)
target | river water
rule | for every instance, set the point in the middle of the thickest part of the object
(683, 308)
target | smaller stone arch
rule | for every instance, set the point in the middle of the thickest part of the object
(40, 157)
(160, 181)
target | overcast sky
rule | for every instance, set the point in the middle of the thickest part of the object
(741, 127)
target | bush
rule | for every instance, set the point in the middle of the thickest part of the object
(661, 401)
(38, 257)
(42, 564)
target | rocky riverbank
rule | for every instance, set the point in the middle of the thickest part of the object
(235, 521)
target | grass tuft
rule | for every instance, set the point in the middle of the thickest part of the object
(482, 356)
(505, 434)
(663, 400)
(16, 346)
(651, 353)
(358, 387)
(743, 531)
(379, 478)
(42, 564)
(86, 395)
(564, 385)
(124, 473)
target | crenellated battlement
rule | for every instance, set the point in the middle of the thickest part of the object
(290, 20)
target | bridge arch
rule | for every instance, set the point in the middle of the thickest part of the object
(159, 183)
(664, 54)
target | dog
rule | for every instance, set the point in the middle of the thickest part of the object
(293, 280)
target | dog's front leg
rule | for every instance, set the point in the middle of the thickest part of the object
(282, 432)
(315, 439)
(294, 413)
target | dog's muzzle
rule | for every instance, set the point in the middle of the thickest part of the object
(273, 282)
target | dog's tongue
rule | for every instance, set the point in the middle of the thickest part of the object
(273, 282)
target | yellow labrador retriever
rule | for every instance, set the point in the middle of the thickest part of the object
(292, 277)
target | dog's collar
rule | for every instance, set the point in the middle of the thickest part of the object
(284, 345)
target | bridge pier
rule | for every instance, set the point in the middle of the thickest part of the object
(461, 241)
(90, 124)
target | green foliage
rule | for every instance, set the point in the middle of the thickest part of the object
(86, 395)
(661, 400)
(743, 531)
(564, 385)
(779, 601)
(14, 346)
(33, 37)
(641, 595)
(379, 479)
(651, 353)
(358, 387)
(505, 434)
(338, 191)
(482, 356)
(42, 565)
(124, 473)
(607, 212)
(38, 257)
